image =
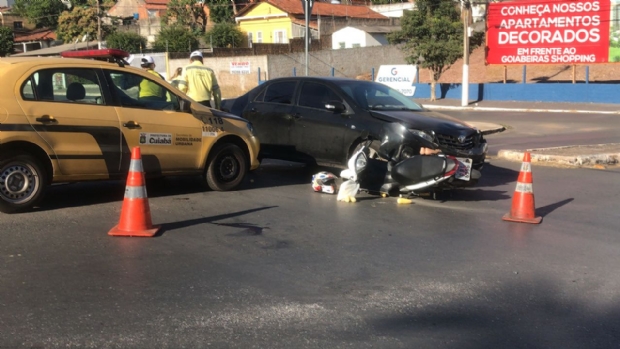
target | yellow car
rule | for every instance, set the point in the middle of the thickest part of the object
(75, 119)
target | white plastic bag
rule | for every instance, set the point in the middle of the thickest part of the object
(348, 190)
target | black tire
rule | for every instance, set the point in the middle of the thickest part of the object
(22, 182)
(226, 167)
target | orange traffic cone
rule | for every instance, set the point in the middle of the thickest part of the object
(135, 214)
(523, 209)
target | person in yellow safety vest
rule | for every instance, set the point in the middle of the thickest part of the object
(148, 89)
(201, 82)
(176, 79)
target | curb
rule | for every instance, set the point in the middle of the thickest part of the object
(538, 155)
(524, 110)
(487, 128)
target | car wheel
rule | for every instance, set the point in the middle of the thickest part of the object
(22, 182)
(226, 167)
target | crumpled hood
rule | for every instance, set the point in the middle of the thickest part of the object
(202, 113)
(426, 120)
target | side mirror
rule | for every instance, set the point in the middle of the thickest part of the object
(185, 106)
(335, 106)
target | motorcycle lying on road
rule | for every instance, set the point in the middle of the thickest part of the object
(399, 173)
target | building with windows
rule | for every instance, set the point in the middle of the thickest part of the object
(278, 21)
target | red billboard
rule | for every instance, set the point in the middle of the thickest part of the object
(550, 32)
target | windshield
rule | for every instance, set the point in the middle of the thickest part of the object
(375, 96)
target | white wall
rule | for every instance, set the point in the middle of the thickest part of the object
(393, 10)
(350, 36)
(347, 63)
(232, 85)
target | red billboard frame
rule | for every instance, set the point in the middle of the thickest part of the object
(549, 32)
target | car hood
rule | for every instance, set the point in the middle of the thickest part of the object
(426, 120)
(227, 104)
(203, 113)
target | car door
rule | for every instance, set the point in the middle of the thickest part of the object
(71, 112)
(317, 131)
(170, 141)
(271, 113)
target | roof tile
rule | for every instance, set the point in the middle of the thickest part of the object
(294, 7)
(36, 35)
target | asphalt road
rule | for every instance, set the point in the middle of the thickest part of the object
(275, 265)
(541, 130)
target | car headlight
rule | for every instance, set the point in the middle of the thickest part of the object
(250, 127)
(422, 134)
(407, 152)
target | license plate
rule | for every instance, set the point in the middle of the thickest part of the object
(464, 170)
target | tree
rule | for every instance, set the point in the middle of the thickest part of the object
(175, 39)
(432, 36)
(82, 20)
(126, 41)
(76, 23)
(186, 13)
(43, 13)
(6, 41)
(224, 35)
(221, 11)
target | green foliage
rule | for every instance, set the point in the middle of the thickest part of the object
(6, 41)
(43, 13)
(476, 40)
(220, 11)
(126, 41)
(82, 20)
(80, 3)
(614, 39)
(75, 24)
(78, 22)
(432, 35)
(186, 13)
(614, 54)
(225, 35)
(177, 38)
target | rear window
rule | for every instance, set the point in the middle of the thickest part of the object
(279, 92)
(64, 85)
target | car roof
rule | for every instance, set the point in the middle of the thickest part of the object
(51, 60)
(319, 78)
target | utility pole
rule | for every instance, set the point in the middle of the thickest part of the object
(307, 6)
(465, 10)
(98, 26)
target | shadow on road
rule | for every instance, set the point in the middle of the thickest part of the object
(274, 173)
(93, 193)
(519, 315)
(478, 195)
(269, 175)
(545, 210)
(100, 192)
(249, 229)
(493, 176)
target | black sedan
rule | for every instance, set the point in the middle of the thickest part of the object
(323, 119)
